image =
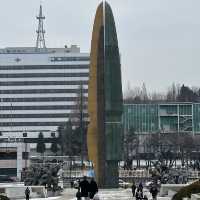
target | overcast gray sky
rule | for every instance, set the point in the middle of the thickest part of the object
(159, 40)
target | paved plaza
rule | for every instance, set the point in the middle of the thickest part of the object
(106, 194)
(112, 194)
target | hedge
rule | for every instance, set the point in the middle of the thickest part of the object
(186, 191)
(2, 197)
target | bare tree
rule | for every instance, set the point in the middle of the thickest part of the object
(144, 94)
(66, 138)
(80, 121)
(157, 97)
(131, 147)
(174, 93)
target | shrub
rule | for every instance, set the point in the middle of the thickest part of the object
(2, 197)
(186, 191)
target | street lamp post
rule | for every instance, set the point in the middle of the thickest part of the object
(26, 157)
(81, 124)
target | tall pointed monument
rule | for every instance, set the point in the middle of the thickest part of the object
(105, 99)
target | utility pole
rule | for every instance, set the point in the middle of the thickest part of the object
(81, 123)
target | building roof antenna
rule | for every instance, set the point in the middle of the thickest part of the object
(40, 43)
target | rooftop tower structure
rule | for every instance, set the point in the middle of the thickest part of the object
(40, 43)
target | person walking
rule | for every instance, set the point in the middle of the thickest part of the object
(139, 194)
(133, 188)
(78, 194)
(96, 197)
(140, 187)
(93, 188)
(84, 186)
(154, 192)
(72, 184)
(27, 193)
(145, 197)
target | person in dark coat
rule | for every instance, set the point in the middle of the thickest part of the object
(84, 186)
(72, 183)
(27, 193)
(93, 188)
(78, 194)
(140, 187)
(145, 197)
(133, 188)
(154, 192)
(139, 194)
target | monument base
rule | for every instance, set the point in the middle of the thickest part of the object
(112, 174)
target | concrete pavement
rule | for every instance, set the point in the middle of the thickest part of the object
(105, 194)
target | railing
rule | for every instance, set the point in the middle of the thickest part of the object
(194, 174)
(133, 173)
(122, 173)
(74, 174)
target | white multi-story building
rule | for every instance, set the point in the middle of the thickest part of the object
(39, 88)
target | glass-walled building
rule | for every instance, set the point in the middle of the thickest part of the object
(164, 118)
(143, 118)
